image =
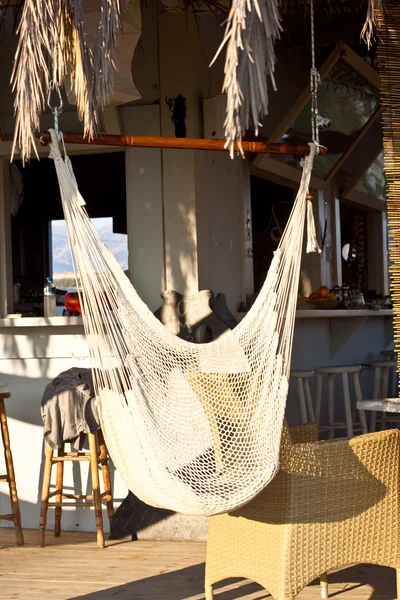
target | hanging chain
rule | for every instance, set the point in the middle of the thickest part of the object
(317, 121)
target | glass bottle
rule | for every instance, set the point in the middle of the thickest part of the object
(49, 298)
(346, 296)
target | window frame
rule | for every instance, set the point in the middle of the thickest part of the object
(6, 270)
(341, 52)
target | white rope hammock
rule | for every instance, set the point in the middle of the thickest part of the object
(194, 428)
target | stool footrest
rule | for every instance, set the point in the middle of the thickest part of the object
(73, 504)
(7, 517)
(3, 477)
(76, 453)
(77, 496)
(71, 496)
(83, 457)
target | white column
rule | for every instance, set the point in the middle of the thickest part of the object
(144, 206)
(203, 192)
(180, 69)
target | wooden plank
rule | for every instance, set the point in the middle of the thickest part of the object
(72, 567)
(361, 66)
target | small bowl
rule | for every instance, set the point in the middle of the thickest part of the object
(324, 303)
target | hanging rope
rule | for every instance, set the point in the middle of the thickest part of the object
(317, 121)
(315, 80)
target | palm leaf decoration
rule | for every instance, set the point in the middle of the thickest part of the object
(52, 50)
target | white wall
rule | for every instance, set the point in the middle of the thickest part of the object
(220, 225)
(29, 359)
(202, 193)
(144, 206)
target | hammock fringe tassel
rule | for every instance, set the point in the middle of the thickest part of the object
(312, 241)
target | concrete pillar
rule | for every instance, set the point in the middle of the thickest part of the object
(180, 69)
(144, 206)
(202, 191)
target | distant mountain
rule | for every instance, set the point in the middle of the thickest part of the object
(116, 242)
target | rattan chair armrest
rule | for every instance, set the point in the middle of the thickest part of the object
(339, 479)
(325, 457)
(332, 481)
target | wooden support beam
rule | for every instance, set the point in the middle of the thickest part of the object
(131, 141)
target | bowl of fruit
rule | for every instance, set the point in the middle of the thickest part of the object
(323, 299)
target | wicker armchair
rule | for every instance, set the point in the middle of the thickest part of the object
(332, 504)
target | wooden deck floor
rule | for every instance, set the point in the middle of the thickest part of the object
(72, 567)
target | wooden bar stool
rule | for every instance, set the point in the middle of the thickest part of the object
(15, 515)
(344, 372)
(304, 395)
(384, 376)
(95, 457)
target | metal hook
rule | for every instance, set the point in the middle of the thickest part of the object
(57, 88)
(56, 110)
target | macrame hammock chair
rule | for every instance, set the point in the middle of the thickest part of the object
(195, 428)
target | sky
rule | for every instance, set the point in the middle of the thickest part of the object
(61, 256)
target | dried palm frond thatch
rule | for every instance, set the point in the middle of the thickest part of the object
(52, 48)
(368, 30)
(252, 28)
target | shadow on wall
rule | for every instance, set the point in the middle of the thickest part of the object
(181, 257)
(24, 344)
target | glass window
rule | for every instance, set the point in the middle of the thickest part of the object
(349, 101)
(373, 182)
(61, 260)
(40, 245)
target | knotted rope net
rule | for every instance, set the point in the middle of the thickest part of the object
(194, 428)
